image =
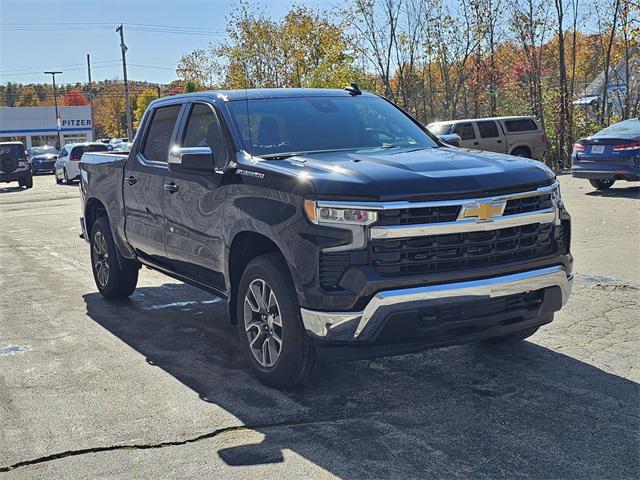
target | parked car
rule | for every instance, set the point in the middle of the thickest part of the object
(519, 136)
(116, 142)
(609, 155)
(14, 164)
(67, 166)
(103, 140)
(332, 223)
(43, 159)
(122, 147)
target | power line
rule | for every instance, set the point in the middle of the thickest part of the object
(29, 67)
(153, 66)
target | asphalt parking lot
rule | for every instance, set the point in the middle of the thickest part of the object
(155, 387)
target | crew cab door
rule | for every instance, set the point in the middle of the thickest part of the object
(467, 133)
(491, 139)
(143, 188)
(194, 199)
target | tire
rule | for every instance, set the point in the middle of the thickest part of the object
(21, 182)
(55, 174)
(28, 180)
(116, 277)
(66, 178)
(602, 183)
(521, 152)
(265, 295)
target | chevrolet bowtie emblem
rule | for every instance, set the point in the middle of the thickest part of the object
(483, 211)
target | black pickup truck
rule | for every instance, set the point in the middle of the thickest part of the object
(334, 225)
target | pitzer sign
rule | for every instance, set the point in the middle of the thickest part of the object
(85, 122)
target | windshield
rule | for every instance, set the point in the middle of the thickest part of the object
(439, 128)
(43, 150)
(288, 126)
(626, 127)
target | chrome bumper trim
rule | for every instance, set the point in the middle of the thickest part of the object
(547, 215)
(341, 326)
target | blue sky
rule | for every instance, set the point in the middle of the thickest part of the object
(37, 35)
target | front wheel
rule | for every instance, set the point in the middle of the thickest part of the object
(116, 277)
(271, 332)
(602, 184)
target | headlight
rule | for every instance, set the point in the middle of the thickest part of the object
(321, 215)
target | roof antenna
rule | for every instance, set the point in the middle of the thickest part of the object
(353, 89)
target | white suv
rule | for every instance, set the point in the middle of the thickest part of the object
(67, 167)
(519, 136)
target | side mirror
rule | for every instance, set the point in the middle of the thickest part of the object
(451, 139)
(194, 159)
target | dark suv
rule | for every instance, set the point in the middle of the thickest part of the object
(14, 164)
(332, 223)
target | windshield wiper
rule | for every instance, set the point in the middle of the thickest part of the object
(282, 156)
(279, 156)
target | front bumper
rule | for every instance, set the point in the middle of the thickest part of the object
(362, 326)
(43, 167)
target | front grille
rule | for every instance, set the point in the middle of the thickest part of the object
(443, 253)
(528, 204)
(449, 213)
(415, 216)
(446, 253)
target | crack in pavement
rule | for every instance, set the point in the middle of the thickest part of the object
(151, 446)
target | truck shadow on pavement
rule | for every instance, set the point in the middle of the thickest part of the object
(470, 411)
(12, 189)
(624, 192)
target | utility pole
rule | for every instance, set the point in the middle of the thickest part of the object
(55, 102)
(93, 132)
(158, 90)
(123, 47)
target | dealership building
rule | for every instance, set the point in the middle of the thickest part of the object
(35, 126)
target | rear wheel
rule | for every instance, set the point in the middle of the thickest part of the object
(272, 336)
(28, 180)
(521, 152)
(116, 277)
(66, 178)
(602, 183)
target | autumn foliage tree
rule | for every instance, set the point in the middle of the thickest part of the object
(74, 97)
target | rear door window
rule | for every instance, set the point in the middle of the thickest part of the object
(158, 139)
(488, 129)
(95, 148)
(465, 131)
(521, 125)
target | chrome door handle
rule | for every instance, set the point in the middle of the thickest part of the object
(171, 187)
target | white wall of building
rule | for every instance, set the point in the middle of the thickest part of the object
(37, 125)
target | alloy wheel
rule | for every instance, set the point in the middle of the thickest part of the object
(262, 322)
(100, 259)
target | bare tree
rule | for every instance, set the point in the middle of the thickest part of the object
(530, 23)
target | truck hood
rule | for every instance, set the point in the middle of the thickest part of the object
(414, 175)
